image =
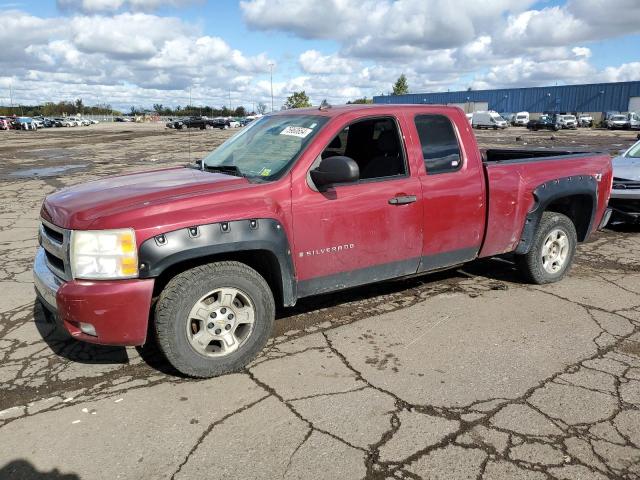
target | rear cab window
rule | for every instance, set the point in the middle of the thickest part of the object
(440, 147)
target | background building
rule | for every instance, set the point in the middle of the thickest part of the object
(594, 98)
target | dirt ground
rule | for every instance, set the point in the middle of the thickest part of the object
(467, 373)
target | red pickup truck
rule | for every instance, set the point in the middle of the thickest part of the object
(300, 203)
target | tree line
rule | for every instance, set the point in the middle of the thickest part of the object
(194, 111)
(77, 107)
(64, 108)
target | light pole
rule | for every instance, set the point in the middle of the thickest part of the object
(271, 72)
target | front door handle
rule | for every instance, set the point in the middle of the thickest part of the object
(403, 200)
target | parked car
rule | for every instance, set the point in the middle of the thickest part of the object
(489, 119)
(544, 122)
(234, 124)
(284, 210)
(470, 118)
(585, 120)
(521, 119)
(508, 117)
(221, 123)
(5, 123)
(625, 194)
(120, 119)
(24, 123)
(567, 121)
(64, 122)
(78, 122)
(634, 120)
(620, 121)
(174, 124)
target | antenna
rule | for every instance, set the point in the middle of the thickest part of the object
(188, 129)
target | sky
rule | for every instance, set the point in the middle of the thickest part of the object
(221, 52)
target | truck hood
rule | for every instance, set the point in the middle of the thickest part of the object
(78, 206)
(627, 168)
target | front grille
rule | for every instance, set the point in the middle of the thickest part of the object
(622, 184)
(55, 241)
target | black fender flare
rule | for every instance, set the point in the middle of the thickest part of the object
(158, 253)
(549, 192)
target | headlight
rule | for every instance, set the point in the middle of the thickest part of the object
(104, 254)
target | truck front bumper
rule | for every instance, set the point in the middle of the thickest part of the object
(104, 312)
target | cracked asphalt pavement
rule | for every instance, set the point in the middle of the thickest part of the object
(464, 374)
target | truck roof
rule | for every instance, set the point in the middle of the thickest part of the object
(334, 111)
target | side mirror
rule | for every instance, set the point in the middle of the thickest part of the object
(334, 170)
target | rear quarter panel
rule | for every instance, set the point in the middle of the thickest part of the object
(511, 187)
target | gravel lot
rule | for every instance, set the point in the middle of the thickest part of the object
(467, 373)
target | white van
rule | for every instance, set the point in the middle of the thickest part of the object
(521, 119)
(634, 120)
(489, 119)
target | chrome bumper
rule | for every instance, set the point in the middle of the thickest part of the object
(46, 283)
(631, 194)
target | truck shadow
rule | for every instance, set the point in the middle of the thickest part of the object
(624, 227)
(24, 470)
(63, 345)
(501, 269)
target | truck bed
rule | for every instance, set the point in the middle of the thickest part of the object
(504, 155)
(511, 178)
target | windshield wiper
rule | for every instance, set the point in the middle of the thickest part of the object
(226, 169)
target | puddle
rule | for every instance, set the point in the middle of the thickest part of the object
(46, 171)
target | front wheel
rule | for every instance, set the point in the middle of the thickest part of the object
(552, 251)
(214, 319)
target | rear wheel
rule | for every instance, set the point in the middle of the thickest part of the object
(552, 251)
(214, 319)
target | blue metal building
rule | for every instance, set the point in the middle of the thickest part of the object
(595, 97)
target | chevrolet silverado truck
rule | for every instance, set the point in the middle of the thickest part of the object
(300, 203)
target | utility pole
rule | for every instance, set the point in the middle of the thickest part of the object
(11, 96)
(230, 100)
(271, 70)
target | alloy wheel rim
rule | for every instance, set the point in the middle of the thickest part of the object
(555, 250)
(220, 322)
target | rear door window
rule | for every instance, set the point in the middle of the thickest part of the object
(440, 147)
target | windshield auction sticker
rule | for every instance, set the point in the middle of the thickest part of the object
(301, 132)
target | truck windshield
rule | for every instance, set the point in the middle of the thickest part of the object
(265, 149)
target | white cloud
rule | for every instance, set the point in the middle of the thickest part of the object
(577, 21)
(581, 52)
(119, 51)
(383, 28)
(112, 6)
(312, 61)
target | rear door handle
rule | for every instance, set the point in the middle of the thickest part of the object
(402, 200)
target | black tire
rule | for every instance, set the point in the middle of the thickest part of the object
(182, 293)
(530, 264)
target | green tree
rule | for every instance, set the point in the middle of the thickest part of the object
(261, 108)
(363, 101)
(158, 107)
(297, 100)
(79, 105)
(240, 112)
(401, 87)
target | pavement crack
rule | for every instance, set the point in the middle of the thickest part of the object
(208, 430)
